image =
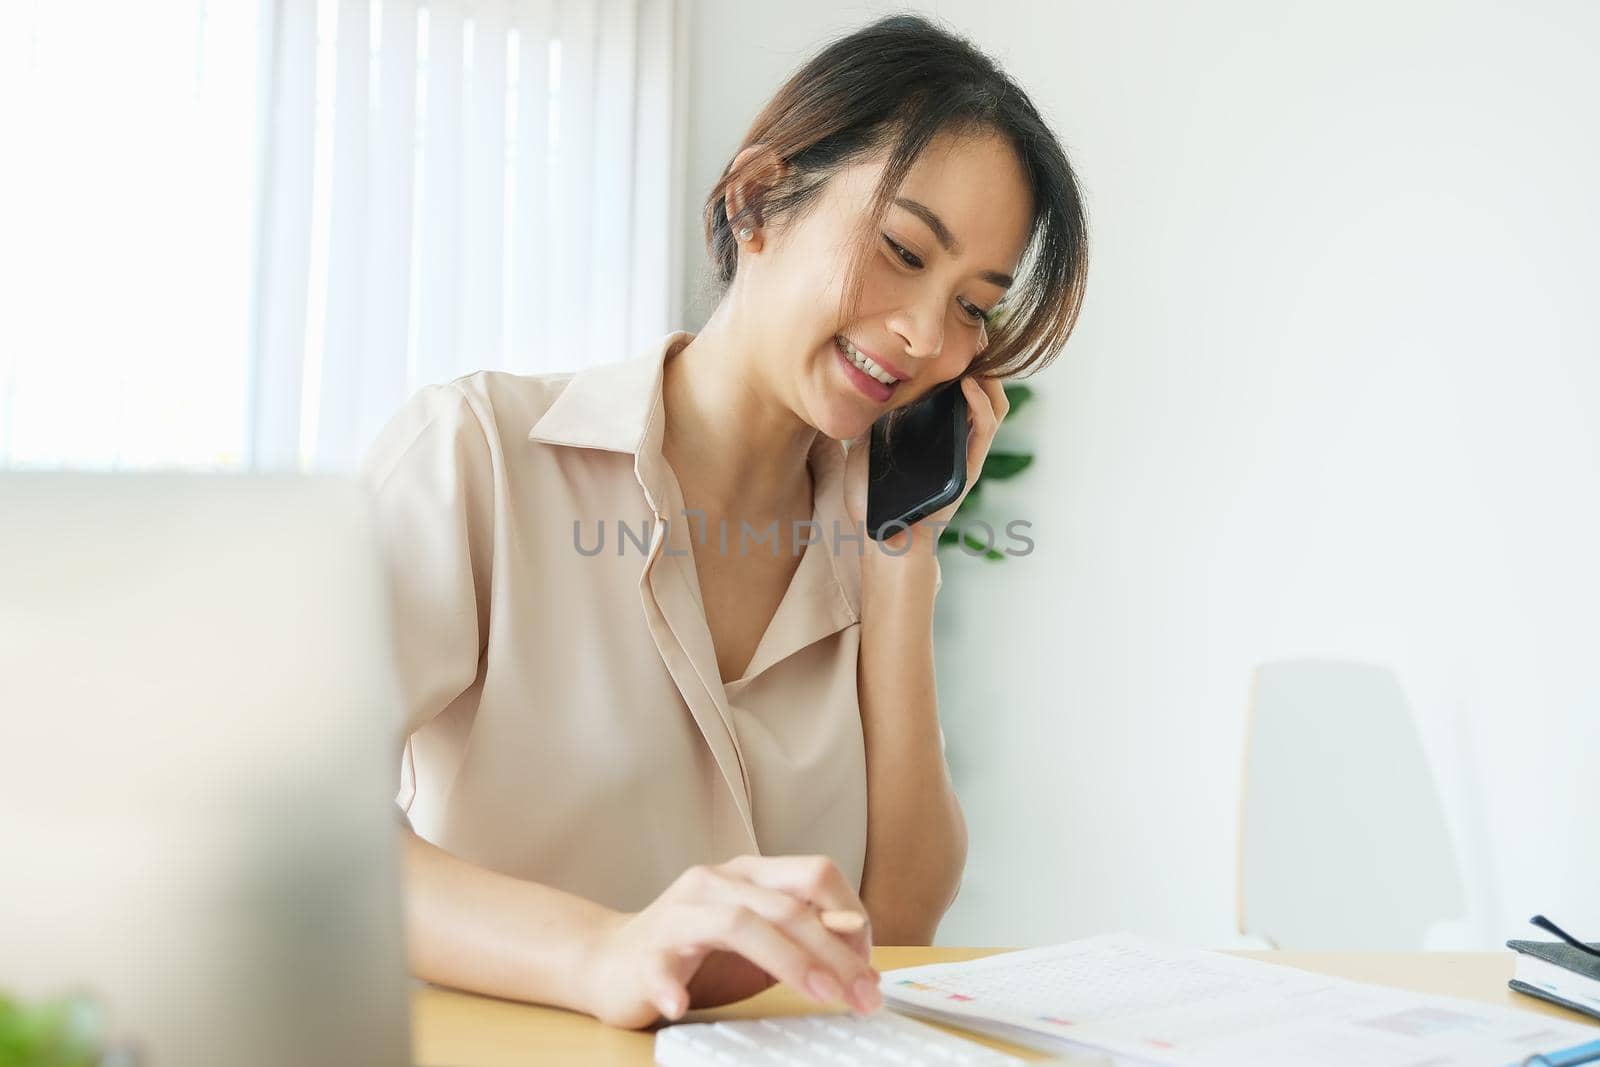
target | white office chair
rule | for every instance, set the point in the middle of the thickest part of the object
(1342, 843)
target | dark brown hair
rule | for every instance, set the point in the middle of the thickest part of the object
(900, 82)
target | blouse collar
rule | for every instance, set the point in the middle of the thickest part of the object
(619, 407)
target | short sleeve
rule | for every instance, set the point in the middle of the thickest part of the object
(430, 477)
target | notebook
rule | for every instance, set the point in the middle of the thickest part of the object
(1147, 1002)
(1558, 973)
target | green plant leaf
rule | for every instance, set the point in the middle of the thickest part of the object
(949, 536)
(1002, 465)
(63, 1032)
(1018, 394)
(970, 501)
(974, 541)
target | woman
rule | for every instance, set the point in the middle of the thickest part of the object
(648, 749)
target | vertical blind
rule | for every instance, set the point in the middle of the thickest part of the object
(409, 190)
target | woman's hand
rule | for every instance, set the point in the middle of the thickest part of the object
(722, 933)
(987, 405)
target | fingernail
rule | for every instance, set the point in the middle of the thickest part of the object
(844, 922)
(867, 996)
(823, 987)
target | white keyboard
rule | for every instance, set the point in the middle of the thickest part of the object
(823, 1041)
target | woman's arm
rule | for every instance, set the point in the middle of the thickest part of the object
(716, 935)
(472, 928)
(916, 836)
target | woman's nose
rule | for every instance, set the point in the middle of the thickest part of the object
(922, 332)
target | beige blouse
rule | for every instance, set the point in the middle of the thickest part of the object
(567, 720)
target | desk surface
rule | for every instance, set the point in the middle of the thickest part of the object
(452, 1029)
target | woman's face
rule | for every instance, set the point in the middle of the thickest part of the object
(960, 220)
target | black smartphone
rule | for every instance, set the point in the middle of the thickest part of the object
(918, 460)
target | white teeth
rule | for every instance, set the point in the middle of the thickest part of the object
(866, 364)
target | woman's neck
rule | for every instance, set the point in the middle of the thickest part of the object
(737, 449)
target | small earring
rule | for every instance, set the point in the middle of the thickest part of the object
(744, 234)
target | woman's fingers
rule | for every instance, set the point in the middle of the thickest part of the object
(987, 402)
(843, 971)
(815, 879)
(738, 928)
(668, 995)
(997, 396)
(980, 410)
(774, 906)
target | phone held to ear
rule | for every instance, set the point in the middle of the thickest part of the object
(920, 465)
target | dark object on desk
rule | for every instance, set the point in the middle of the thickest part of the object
(1565, 972)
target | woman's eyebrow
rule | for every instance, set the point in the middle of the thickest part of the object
(947, 239)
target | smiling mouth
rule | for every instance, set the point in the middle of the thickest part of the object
(857, 369)
(865, 363)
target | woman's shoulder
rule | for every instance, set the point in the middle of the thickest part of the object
(476, 416)
(507, 400)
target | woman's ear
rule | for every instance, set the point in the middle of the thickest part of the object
(763, 169)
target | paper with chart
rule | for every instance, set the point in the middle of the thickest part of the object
(1150, 1002)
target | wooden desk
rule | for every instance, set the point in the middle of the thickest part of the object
(460, 1030)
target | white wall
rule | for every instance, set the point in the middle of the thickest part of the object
(1335, 392)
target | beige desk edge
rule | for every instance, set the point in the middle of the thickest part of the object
(452, 1029)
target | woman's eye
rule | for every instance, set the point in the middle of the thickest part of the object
(906, 257)
(909, 258)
